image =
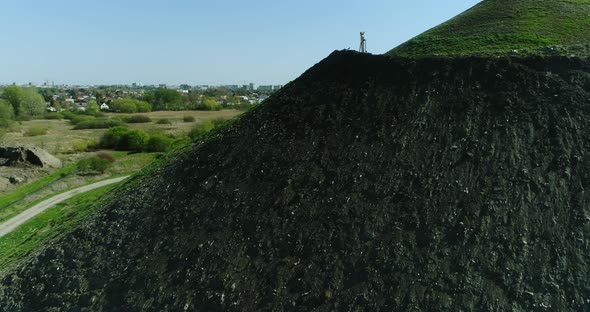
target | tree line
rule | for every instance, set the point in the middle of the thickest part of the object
(20, 104)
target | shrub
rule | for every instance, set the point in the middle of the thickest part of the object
(76, 119)
(53, 116)
(164, 121)
(35, 131)
(143, 107)
(106, 156)
(79, 146)
(129, 105)
(69, 115)
(180, 142)
(6, 110)
(137, 119)
(93, 164)
(188, 119)
(99, 123)
(209, 104)
(201, 129)
(218, 122)
(137, 140)
(205, 127)
(159, 143)
(92, 145)
(114, 137)
(5, 123)
(24, 118)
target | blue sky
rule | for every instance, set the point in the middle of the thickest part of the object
(198, 42)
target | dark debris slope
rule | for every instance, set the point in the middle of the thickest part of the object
(368, 184)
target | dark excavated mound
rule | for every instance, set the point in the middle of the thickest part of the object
(368, 184)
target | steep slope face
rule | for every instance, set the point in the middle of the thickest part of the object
(502, 27)
(368, 184)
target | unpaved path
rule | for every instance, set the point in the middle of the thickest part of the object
(26, 215)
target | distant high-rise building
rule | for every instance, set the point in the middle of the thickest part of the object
(251, 87)
(265, 88)
(162, 86)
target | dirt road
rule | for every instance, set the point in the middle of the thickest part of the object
(26, 215)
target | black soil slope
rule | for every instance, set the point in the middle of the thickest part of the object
(368, 184)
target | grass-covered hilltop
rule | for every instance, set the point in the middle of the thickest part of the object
(508, 27)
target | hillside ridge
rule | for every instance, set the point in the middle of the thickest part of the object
(370, 183)
(508, 27)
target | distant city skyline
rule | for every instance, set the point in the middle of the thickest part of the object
(198, 42)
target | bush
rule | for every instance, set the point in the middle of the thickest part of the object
(205, 127)
(218, 122)
(201, 129)
(137, 140)
(53, 116)
(99, 123)
(121, 138)
(164, 121)
(137, 119)
(79, 146)
(93, 164)
(24, 118)
(6, 110)
(209, 104)
(114, 137)
(180, 142)
(188, 119)
(76, 119)
(129, 105)
(159, 143)
(5, 123)
(35, 131)
(69, 115)
(143, 107)
(106, 156)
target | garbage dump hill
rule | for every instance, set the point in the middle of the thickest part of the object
(508, 27)
(370, 183)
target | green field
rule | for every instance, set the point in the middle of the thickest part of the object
(32, 187)
(48, 224)
(23, 198)
(508, 27)
(65, 215)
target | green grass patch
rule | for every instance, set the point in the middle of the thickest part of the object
(35, 186)
(500, 28)
(35, 131)
(49, 224)
(130, 163)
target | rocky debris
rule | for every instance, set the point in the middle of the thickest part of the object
(10, 156)
(368, 184)
(16, 180)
